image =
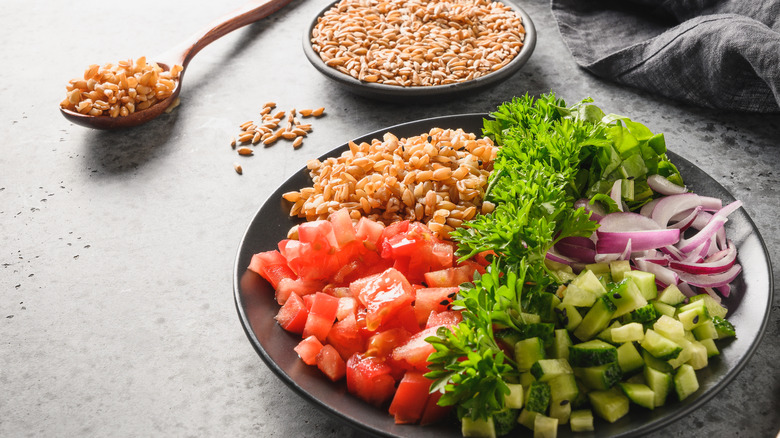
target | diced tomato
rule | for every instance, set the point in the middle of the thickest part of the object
(433, 412)
(416, 350)
(483, 258)
(410, 398)
(346, 338)
(403, 317)
(388, 233)
(369, 231)
(330, 363)
(299, 286)
(272, 266)
(321, 316)
(311, 260)
(308, 349)
(447, 318)
(293, 314)
(382, 344)
(319, 233)
(432, 299)
(451, 277)
(382, 295)
(342, 227)
(308, 300)
(369, 379)
(347, 306)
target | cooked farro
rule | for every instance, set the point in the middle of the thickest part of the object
(438, 178)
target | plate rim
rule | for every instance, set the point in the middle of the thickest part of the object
(648, 427)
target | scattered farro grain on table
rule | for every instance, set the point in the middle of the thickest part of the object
(118, 90)
(412, 43)
(438, 177)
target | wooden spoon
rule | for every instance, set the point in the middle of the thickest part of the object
(182, 55)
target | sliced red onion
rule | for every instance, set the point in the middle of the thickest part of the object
(701, 220)
(711, 292)
(577, 248)
(714, 225)
(714, 280)
(711, 204)
(673, 252)
(640, 240)
(682, 223)
(725, 290)
(722, 264)
(647, 209)
(662, 274)
(552, 255)
(661, 185)
(621, 222)
(686, 289)
(670, 206)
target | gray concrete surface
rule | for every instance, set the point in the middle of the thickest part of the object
(116, 249)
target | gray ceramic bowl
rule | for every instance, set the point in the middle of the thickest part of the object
(394, 93)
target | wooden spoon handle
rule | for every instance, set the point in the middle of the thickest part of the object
(248, 13)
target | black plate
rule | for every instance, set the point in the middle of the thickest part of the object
(254, 297)
(393, 93)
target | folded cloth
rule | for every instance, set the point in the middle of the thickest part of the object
(713, 53)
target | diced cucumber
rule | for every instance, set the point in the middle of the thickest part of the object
(606, 334)
(693, 315)
(645, 281)
(592, 353)
(527, 352)
(538, 397)
(598, 268)
(669, 327)
(596, 320)
(561, 344)
(714, 308)
(665, 309)
(671, 295)
(561, 410)
(562, 272)
(563, 388)
(657, 364)
(628, 358)
(724, 328)
(545, 427)
(477, 428)
(660, 346)
(639, 394)
(699, 356)
(514, 400)
(547, 369)
(660, 382)
(530, 318)
(628, 333)
(610, 405)
(709, 344)
(618, 268)
(505, 421)
(584, 290)
(685, 353)
(626, 297)
(636, 378)
(601, 376)
(706, 330)
(645, 314)
(526, 418)
(568, 316)
(685, 381)
(581, 420)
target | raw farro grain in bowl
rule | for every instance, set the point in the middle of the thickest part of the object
(413, 43)
(438, 178)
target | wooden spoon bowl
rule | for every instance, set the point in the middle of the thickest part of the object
(182, 55)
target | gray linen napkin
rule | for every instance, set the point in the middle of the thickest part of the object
(713, 53)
